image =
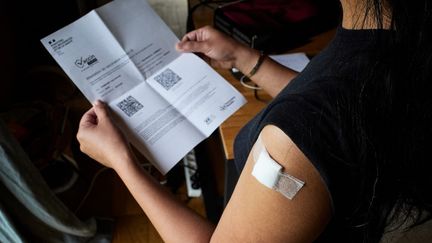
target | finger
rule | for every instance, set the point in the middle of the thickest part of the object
(186, 38)
(193, 46)
(200, 34)
(89, 118)
(101, 110)
(215, 63)
(192, 36)
(179, 44)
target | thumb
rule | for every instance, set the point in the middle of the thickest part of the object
(193, 46)
(101, 110)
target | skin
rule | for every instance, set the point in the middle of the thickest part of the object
(271, 76)
(254, 213)
(354, 16)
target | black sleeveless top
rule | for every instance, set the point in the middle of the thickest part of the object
(310, 110)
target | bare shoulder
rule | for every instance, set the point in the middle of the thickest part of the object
(256, 213)
(285, 152)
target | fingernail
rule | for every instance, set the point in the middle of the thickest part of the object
(97, 103)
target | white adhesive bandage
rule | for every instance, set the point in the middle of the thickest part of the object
(269, 173)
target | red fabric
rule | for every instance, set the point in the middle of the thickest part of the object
(273, 11)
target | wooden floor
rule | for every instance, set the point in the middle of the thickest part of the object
(109, 198)
(136, 227)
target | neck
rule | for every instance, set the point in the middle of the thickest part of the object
(354, 16)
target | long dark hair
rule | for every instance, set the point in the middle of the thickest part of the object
(392, 120)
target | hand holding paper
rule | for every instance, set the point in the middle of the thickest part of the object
(166, 102)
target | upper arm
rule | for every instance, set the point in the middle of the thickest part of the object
(259, 214)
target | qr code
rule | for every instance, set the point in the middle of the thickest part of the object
(130, 106)
(167, 78)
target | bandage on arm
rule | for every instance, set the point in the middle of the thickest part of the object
(270, 173)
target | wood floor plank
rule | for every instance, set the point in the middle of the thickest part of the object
(135, 228)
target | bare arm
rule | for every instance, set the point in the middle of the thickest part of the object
(254, 213)
(174, 221)
(258, 214)
(227, 53)
(103, 141)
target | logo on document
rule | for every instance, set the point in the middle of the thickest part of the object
(86, 62)
(58, 44)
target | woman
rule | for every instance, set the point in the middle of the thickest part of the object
(355, 126)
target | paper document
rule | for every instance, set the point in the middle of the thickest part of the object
(166, 102)
(295, 61)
